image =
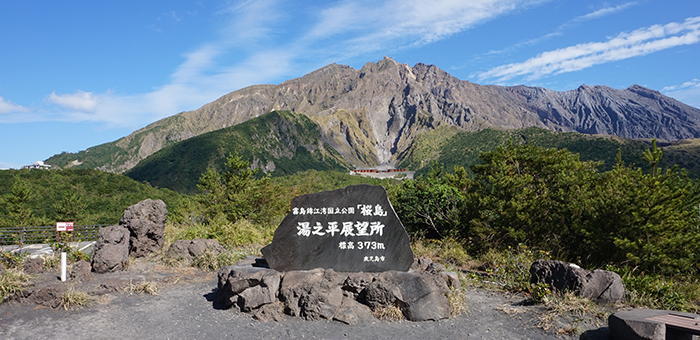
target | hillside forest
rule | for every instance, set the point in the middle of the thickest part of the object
(641, 221)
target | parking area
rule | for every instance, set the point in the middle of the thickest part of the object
(36, 250)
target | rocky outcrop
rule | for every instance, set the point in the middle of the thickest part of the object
(599, 285)
(81, 271)
(146, 224)
(46, 295)
(373, 114)
(111, 252)
(327, 294)
(189, 249)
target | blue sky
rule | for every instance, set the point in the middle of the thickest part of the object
(74, 74)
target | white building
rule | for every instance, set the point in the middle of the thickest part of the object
(37, 165)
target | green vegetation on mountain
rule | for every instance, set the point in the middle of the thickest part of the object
(91, 158)
(463, 149)
(311, 181)
(42, 197)
(279, 143)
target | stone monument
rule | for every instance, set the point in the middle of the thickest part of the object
(353, 229)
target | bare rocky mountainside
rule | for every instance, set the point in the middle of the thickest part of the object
(373, 114)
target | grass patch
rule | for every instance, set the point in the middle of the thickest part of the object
(681, 293)
(209, 261)
(240, 233)
(73, 299)
(389, 313)
(511, 268)
(566, 314)
(448, 251)
(14, 280)
(50, 262)
(458, 301)
(143, 287)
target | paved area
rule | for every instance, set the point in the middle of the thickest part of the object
(185, 311)
(36, 250)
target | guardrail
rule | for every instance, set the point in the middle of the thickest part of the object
(47, 234)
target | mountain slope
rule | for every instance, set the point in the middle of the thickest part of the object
(279, 142)
(372, 115)
(463, 148)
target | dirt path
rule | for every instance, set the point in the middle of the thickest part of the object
(183, 310)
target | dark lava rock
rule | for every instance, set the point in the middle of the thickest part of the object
(111, 251)
(146, 223)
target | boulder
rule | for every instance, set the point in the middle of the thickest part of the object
(635, 324)
(247, 287)
(379, 294)
(452, 279)
(435, 268)
(146, 223)
(352, 312)
(356, 282)
(421, 263)
(312, 294)
(272, 311)
(34, 265)
(603, 286)
(599, 285)
(420, 295)
(189, 249)
(111, 251)
(81, 271)
(2, 269)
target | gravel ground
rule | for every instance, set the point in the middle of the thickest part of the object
(184, 311)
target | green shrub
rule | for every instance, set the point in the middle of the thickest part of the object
(229, 234)
(13, 259)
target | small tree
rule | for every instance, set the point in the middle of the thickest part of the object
(69, 206)
(238, 194)
(17, 203)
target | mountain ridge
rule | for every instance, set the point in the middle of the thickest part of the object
(374, 114)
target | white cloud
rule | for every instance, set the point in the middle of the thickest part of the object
(248, 50)
(604, 12)
(688, 92)
(626, 45)
(688, 84)
(10, 107)
(6, 165)
(560, 31)
(401, 23)
(79, 101)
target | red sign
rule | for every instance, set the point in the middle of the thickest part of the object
(64, 226)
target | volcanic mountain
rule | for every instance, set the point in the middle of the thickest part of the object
(372, 115)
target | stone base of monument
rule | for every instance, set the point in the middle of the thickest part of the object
(654, 324)
(419, 293)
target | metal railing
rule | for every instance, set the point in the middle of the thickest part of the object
(47, 234)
